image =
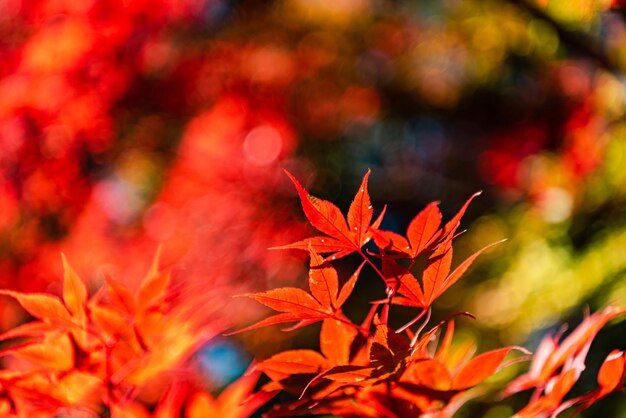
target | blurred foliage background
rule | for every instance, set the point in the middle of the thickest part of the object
(125, 124)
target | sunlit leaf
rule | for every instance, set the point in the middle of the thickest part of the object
(423, 228)
(360, 214)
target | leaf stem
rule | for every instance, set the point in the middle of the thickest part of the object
(420, 329)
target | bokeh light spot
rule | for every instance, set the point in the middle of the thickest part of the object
(262, 146)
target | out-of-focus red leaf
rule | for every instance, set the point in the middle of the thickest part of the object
(480, 368)
(446, 342)
(236, 400)
(581, 336)
(120, 296)
(29, 329)
(74, 292)
(433, 374)
(55, 352)
(48, 308)
(611, 373)
(153, 286)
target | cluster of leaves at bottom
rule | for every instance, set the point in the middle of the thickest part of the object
(369, 369)
(118, 354)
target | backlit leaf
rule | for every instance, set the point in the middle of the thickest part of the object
(423, 228)
(294, 362)
(320, 245)
(402, 279)
(348, 286)
(335, 341)
(360, 214)
(48, 308)
(287, 299)
(153, 286)
(461, 269)
(323, 281)
(323, 215)
(436, 272)
(74, 291)
(480, 368)
(453, 224)
(611, 373)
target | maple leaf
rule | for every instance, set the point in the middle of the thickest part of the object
(236, 401)
(423, 233)
(343, 237)
(557, 366)
(436, 277)
(324, 301)
(336, 340)
(423, 228)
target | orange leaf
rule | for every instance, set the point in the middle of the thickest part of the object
(348, 286)
(611, 373)
(433, 374)
(56, 352)
(389, 241)
(423, 228)
(29, 329)
(109, 321)
(120, 296)
(294, 362)
(360, 214)
(80, 388)
(348, 373)
(335, 341)
(436, 271)
(322, 214)
(323, 281)
(74, 292)
(578, 339)
(236, 402)
(287, 299)
(321, 245)
(399, 277)
(480, 368)
(281, 319)
(446, 342)
(153, 286)
(200, 405)
(453, 224)
(48, 308)
(461, 269)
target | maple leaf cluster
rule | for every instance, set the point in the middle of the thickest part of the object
(104, 355)
(370, 369)
(129, 353)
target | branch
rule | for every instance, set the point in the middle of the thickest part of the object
(576, 41)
